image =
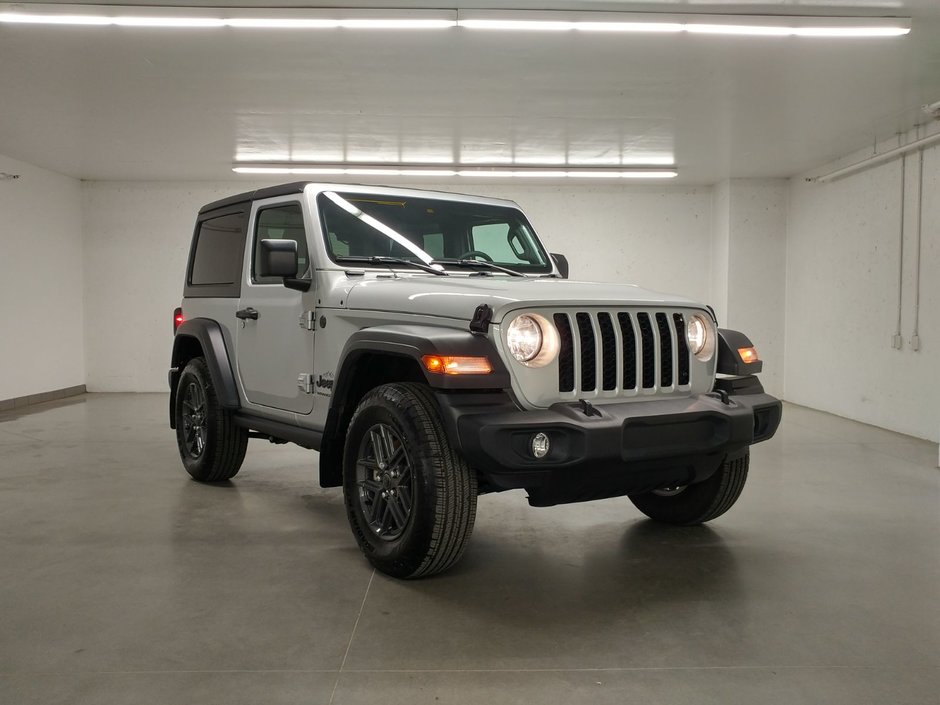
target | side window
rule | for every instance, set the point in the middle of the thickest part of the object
(280, 223)
(217, 254)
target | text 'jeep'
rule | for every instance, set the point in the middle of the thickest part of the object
(431, 350)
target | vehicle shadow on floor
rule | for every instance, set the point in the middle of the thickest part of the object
(650, 567)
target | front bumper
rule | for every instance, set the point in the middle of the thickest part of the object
(620, 448)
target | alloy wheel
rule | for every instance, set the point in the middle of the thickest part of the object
(385, 482)
(195, 425)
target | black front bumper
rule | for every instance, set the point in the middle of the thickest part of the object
(620, 448)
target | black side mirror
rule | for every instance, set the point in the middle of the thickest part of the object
(562, 263)
(278, 258)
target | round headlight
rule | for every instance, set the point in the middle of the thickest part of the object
(700, 337)
(524, 338)
(697, 332)
(532, 340)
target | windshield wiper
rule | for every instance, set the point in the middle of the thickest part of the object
(478, 263)
(391, 260)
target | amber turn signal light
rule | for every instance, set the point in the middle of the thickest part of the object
(445, 365)
(748, 355)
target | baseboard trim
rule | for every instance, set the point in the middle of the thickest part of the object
(33, 399)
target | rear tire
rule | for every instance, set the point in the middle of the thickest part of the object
(410, 498)
(211, 446)
(698, 503)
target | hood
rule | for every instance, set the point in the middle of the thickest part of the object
(458, 296)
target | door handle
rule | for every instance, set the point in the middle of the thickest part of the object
(246, 313)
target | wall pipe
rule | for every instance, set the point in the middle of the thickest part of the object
(898, 342)
(915, 337)
(877, 159)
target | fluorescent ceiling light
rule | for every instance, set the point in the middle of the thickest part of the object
(238, 18)
(488, 171)
(23, 18)
(301, 23)
(773, 31)
(565, 26)
(342, 171)
(718, 24)
(411, 19)
(504, 173)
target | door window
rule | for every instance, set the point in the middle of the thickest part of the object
(284, 222)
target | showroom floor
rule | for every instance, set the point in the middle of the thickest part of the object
(125, 582)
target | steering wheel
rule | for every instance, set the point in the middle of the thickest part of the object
(473, 254)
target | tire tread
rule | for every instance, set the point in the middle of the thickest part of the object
(227, 443)
(700, 502)
(455, 484)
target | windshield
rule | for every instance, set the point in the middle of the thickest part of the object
(429, 230)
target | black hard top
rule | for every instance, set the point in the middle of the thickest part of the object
(248, 196)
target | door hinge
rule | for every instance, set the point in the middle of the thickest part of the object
(305, 382)
(307, 320)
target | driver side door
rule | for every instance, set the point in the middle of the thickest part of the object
(274, 349)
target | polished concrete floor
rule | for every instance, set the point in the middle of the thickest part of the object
(125, 582)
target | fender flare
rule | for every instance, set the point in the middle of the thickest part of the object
(729, 360)
(415, 341)
(410, 342)
(208, 334)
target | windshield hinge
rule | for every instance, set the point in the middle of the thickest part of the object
(480, 322)
(307, 320)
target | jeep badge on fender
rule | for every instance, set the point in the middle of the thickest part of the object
(463, 362)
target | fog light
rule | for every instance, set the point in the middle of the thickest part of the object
(540, 445)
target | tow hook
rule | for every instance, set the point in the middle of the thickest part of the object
(588, 409)
(721, 395)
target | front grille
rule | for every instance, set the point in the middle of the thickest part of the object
(588, 353)
(621, 351)
(566, 354)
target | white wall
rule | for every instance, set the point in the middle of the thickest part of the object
(754, 276)
(41, 283)
(842, 296)
(137, 239)
(721, 231)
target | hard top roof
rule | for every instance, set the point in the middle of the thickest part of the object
(299, 186)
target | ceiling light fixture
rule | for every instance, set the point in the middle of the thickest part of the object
(411, 19)
(719, 24)
(238, 18)
(480, 171)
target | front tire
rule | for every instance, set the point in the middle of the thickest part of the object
(698, 503)
(410, 497)
(211, 446)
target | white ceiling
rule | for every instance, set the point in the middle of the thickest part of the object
(121, 103)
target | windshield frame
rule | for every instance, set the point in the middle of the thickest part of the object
(528, 270)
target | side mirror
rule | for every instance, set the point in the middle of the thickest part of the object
(562, 263)
(278, 258)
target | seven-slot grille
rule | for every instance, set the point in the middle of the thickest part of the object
(622, 351)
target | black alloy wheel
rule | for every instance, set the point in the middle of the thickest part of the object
(385, 479)
(194, 420)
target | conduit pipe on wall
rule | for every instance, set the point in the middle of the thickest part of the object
(898, 341)
(915, 337)
(877, 159)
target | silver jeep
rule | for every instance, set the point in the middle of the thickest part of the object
(432, 350)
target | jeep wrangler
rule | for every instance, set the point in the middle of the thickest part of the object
(432, 350)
